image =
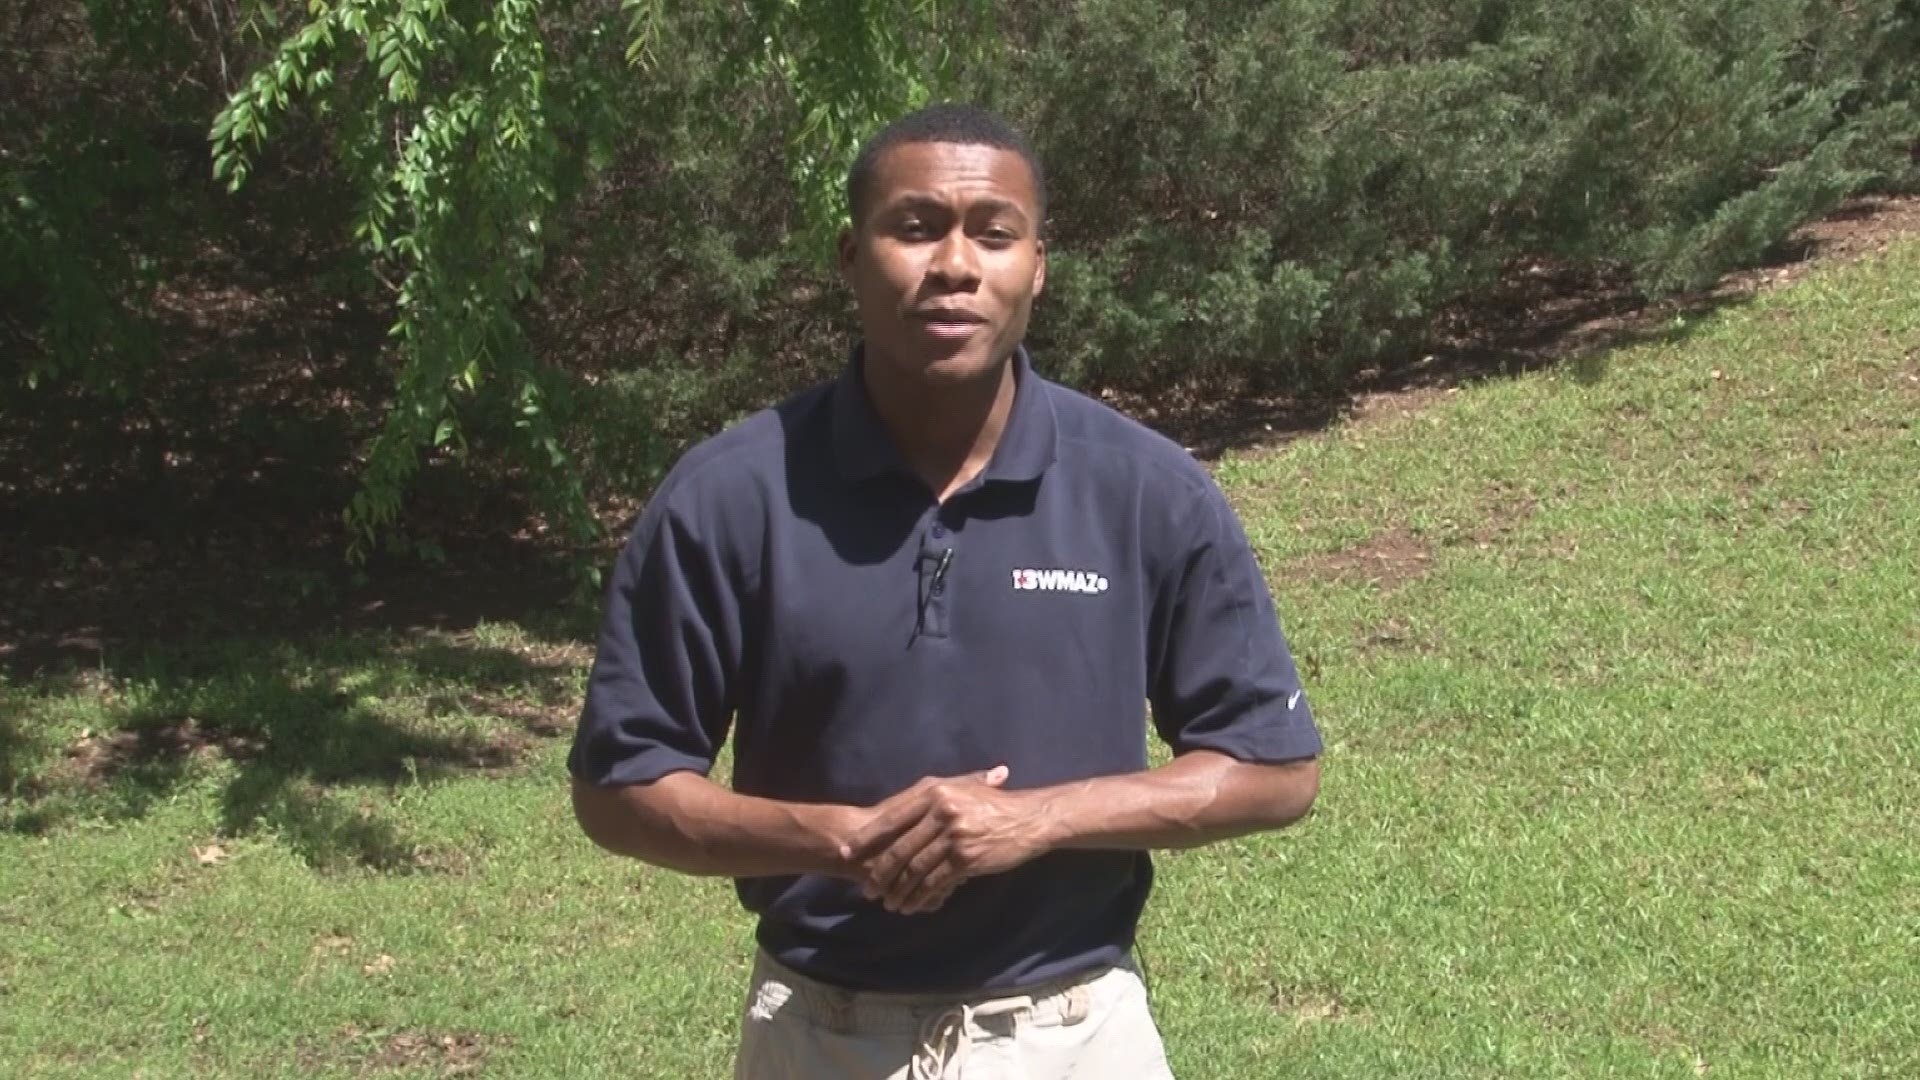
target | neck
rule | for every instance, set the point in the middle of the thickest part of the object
(946, 431)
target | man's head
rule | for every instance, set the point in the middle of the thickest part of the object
(966, 125)
(943, 252)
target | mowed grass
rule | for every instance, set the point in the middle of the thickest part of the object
(1619, 668)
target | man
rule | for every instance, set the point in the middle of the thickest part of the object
(930, 602)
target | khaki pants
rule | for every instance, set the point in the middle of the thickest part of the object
(1094, 1027)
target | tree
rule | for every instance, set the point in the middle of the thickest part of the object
(595, 228)
(469, 128)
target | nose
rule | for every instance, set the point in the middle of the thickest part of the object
(954, 263)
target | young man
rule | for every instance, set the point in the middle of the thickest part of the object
(930, 602)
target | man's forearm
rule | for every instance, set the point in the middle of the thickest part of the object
(685, 822)
(1195, 799)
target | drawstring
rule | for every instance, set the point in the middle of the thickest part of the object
(943, 1037)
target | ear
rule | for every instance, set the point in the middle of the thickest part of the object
(847, 248)
(1040, 267)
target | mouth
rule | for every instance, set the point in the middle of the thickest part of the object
(949, 325)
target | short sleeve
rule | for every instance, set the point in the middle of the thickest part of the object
(1220, 674)
(659, 699)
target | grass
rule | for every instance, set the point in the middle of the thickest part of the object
(1619, 667)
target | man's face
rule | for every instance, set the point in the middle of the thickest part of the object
(946, 259)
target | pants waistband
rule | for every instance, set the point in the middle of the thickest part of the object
(1059, 1002)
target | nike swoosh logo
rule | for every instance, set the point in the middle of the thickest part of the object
(1294, 700)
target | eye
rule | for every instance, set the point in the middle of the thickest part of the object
(915, 229)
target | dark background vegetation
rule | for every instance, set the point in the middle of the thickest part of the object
(1251, 201)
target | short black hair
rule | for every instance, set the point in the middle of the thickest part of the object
(946, 122)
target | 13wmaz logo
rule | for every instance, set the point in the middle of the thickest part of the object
(1074, 581)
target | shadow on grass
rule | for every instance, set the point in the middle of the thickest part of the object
(75, 609)
(308, 744)
(1538, 319)
(14, 746)
(1539, 315)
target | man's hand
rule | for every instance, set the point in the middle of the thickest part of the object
(911, 851)
(928, 840)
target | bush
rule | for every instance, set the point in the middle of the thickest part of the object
(1284, 191)
(597, 227)
(1290, 189)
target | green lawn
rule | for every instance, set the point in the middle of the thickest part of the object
(1619, 668)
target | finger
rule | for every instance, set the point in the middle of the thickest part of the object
(898, 812)
(924, 874)
(935, 885)
(937, 901)
(934, 903)
(908, 888)
(891, 816)
(883, 869)
(882, 830)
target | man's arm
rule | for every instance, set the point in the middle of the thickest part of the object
(686, 822)
(1197, 798)
(923, 843)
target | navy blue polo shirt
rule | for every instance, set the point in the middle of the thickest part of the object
(792, 584)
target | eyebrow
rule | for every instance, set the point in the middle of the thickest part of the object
(921, 200)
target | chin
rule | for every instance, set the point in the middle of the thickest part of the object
(966, 364)
(958, 369)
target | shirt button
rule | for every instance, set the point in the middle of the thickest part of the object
(939, 530)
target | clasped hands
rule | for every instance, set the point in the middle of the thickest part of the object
(912, 850)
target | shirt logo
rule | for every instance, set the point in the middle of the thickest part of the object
(1074, 581)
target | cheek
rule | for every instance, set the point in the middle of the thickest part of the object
(898, 262)
(1015, 283)
(881, 271)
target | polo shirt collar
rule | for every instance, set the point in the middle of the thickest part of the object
(862, 448)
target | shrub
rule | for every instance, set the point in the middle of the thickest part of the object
(597, 227)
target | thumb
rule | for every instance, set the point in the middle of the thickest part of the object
(995, 776)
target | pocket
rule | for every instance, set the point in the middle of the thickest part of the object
(1126, 1037)
(760, 1056)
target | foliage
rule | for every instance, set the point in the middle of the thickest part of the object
(95, 100)
(1293, 188)
(156, 333)
(468, 128)
(595, 228)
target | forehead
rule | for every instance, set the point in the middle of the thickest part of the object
(960, 172)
